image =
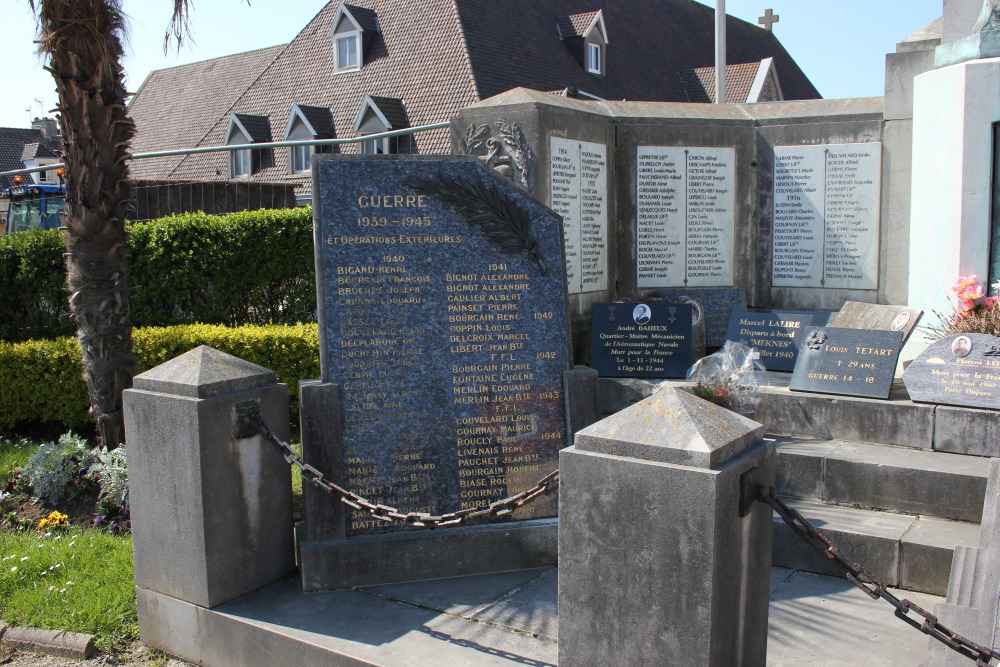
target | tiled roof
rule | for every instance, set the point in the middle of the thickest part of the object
(12, 143)
(575, 25)
(176, 107)
(435, 57)
(365, 17)
(258, 127)
(393, 110)
(320, 119)
(699, 84)
(37, 150)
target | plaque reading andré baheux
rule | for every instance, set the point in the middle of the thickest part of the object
(442, 314)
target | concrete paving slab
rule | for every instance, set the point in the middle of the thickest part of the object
(459, 596)
(531, 609)
(818, 620)
(814, 619)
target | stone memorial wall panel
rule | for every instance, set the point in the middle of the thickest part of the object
(776, 339)
(685, 211)
(826, 216)
(850, 362)
(641, 340)
(579, 189)
(957, 370)
(445, 330)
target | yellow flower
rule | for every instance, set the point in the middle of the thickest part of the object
(53, 520)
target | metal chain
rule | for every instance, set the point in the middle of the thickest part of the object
(875, 589)
(504, 507)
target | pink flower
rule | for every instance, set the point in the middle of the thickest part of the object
(963, 282)
(968, 305)
(992, 301)
(972, 292)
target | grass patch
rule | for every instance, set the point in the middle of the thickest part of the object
(80, 581)
(14, 454)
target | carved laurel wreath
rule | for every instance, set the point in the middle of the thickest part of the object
(504, 222)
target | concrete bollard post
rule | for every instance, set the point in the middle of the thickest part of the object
(211, 513)
(664, 559)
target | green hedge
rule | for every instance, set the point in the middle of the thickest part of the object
(242, 268)
(42, 380)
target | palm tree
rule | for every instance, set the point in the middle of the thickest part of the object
(83, 40)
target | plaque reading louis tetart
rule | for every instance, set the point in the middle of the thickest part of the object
(641, 340)
(443, 321)
(957, 370)
(850, 362)
(777, 339)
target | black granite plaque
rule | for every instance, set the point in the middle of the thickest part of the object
(651, 340)
(718, 305)
(851, 362)
(957, 370)
(776, 338)
(820, 318)
(443, 321)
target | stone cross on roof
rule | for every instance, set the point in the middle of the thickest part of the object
(768, 19)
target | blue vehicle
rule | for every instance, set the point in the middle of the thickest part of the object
(34, 206)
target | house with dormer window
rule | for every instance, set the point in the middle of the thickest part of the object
(366, 67)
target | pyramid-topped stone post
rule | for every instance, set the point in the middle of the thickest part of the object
(664, 558)
(211, 512)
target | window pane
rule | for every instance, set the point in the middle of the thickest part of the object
(347, 52)
(300, 158)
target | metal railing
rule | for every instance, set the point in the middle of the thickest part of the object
(258, 146)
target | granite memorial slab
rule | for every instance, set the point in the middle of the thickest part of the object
(442, 311)
(685, 211)
(849, 362)
(717, 307)
(776, 339)
(957, 370)
(820, 318)
(857, 315)
(641, 340)
(826, 215)
(579, 186)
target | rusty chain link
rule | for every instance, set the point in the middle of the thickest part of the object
(499, 508)
(874, 588)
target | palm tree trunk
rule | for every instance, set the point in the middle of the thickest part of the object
(83, 39)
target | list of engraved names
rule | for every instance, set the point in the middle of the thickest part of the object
(579, 188)
(826, 216)
(685, 205)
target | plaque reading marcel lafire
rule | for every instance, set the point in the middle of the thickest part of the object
(444, 324)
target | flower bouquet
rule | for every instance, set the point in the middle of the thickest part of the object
(974, 312)
(730, 378)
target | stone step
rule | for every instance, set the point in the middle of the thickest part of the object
(898, 479)
(905, 551)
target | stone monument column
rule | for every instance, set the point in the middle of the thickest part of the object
(664, 558)
(211, 512)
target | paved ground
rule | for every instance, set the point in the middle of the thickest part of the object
(510, 619)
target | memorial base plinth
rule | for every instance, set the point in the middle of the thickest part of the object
(415, 555)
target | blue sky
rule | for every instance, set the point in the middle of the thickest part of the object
(841, 45)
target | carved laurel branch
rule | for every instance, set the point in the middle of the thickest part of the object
(501, 219)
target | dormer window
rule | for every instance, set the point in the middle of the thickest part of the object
(247, 129)
(378, 115)
(352, 31)
(586, 38)
(306, 123)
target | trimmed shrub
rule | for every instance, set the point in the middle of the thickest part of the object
(43, 379)
(33, 301)
(253, 267)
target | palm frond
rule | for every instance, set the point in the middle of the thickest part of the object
(501, 219)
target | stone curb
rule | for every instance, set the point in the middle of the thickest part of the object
(50, 642)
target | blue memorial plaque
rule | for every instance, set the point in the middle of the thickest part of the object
(718, 305)
(641, 340)
(957, 370)
(850, 362)
(776, 338)
(820, 318)
(442, 306)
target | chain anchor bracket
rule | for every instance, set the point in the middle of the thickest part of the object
(245, 418)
